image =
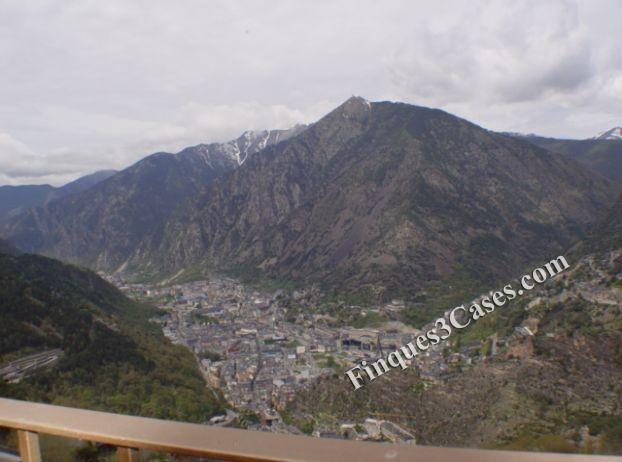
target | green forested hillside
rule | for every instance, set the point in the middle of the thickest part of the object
(113, 358)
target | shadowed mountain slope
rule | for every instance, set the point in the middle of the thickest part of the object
(17, 199)
(556, 387)
(601, 155)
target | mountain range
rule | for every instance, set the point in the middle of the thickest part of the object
(18, 199)
(375, 199)
(109, 221)
(603, 155)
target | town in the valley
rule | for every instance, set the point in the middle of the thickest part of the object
(258, 348)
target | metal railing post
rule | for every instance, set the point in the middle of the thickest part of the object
(128, 455)
(131, 434)
(29, 449)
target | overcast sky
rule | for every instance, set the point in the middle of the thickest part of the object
(87, 85)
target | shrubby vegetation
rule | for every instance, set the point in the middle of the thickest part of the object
(114, 358)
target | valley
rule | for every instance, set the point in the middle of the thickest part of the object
(252, 346)
(265, 356)
(250, 275)
(310, 232)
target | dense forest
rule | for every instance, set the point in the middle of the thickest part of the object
(113, 358)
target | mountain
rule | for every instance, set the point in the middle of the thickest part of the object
(385, 199)
(519, 134)
(613, 134)
(607, 235)
(105, 225)
(556, 387)
(252, 142)
(601, 155)
(17, 199)
(7, 248)
(375, 199)
(112, 358)
(81, 184)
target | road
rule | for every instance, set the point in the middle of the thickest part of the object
(15, 371)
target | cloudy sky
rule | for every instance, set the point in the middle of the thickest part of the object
(87, 85)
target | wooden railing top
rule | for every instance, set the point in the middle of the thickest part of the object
(238, 445)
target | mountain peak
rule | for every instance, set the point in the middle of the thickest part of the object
(354, 110)
(355, 103)
(614, 134)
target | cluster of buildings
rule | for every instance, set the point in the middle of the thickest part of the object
(377, 430)
(249, 351)
(250, 348)
(244, 347)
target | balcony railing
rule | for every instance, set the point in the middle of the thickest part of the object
(131, 434)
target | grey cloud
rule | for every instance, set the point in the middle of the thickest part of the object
(88, 85)
(528, 51)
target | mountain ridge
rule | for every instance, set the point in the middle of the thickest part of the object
(17, 199)
(131, 205)
(601, 155)
(612, 134)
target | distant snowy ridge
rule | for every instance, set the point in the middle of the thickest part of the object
(613, 134)
(240, 149)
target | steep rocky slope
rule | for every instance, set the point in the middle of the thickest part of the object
(375, 199)
(384, 199)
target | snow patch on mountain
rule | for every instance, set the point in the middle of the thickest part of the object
(613, 134)
(240, 149)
